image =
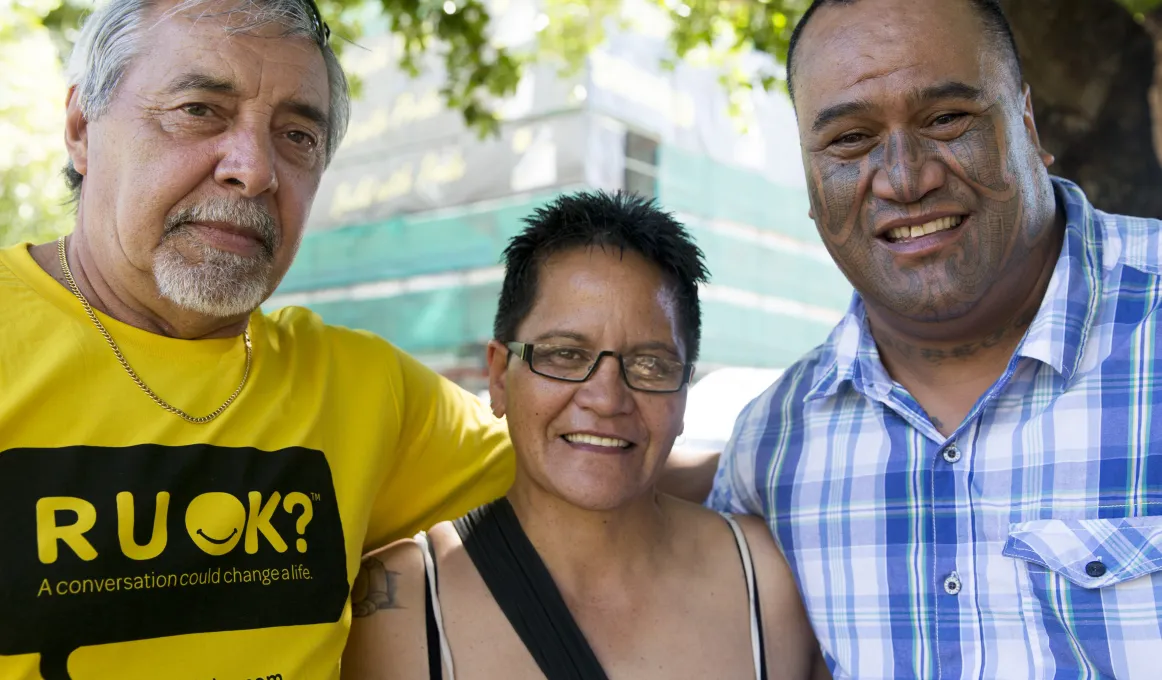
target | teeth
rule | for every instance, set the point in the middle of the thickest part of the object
(942, 224)
(596, 441)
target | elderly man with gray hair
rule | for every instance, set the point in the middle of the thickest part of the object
(186, 483)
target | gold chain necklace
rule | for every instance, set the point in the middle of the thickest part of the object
(129, 369)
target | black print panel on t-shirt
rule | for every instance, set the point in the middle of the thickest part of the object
(102, 545)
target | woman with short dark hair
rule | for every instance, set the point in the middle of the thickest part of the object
(584, 570)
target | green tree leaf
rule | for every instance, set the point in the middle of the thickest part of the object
(33, 199)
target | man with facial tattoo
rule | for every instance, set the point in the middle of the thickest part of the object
(966, 477)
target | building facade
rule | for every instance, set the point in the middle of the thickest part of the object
(410, 221)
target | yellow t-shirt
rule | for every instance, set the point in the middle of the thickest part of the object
(136, 545)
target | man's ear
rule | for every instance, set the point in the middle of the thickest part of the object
(76, 132)
(1031, 127)
(497, 355)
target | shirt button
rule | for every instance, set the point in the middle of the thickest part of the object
(952, 454)
(1095, 569)
(952, 584)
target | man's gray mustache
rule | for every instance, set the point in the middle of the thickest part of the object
(244, 214)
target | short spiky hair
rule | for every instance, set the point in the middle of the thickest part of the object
(990, 12)
(620, 221)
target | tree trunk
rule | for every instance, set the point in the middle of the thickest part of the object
(1092, 71)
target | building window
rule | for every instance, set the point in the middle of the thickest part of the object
(641, 165)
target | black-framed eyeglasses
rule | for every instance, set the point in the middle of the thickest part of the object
(641, 372)
(322, 30)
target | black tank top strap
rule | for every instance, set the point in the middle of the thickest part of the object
(435, 667)
(523, 588)
(758, 612)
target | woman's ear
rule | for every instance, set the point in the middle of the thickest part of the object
(497, 355)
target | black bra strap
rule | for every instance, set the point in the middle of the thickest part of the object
(435, 665)
(523, 588)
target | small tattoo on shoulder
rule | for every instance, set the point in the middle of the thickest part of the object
(375, 589)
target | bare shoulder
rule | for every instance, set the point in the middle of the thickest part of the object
(691, 515)
(776, 582)
(446, 543)
(709, 538)
(792, 652)
(761, 543)
(388, 635)
(791, 647)
(709, 525)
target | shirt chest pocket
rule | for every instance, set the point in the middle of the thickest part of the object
(1091, 592)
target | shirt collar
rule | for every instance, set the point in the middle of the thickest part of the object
(1058, 333)
(1056, 336)
(851, 355)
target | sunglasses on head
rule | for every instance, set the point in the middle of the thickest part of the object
(322, 30)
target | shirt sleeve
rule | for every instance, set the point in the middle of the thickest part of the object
(452, 456)
(735, 488)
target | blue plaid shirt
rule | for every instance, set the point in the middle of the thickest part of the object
(1026, 545)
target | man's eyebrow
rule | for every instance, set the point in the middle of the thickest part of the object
(310, 112)
(655, 345)
(200, 81)
(950, 90)
(561, 335)
(833, 113)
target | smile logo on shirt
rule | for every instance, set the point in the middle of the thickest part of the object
(215, 521)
